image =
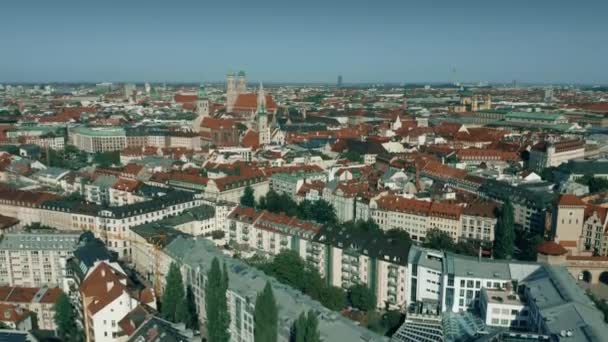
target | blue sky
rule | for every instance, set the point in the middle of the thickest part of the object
(554, 41)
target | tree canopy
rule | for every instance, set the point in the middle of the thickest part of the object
(65, 320)
(306, 328)
(248, 198)
(361, 297)
(288, 268)
(595, 184)
(320, 211)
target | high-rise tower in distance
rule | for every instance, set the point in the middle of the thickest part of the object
(339, 84)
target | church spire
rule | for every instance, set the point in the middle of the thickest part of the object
(261, 99)
(201, 92)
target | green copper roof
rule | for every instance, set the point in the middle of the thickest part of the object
(534, 116)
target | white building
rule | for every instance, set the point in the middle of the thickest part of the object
(35, 258)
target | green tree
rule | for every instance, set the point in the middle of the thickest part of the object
(323, 212)
(353, 156)
(306, 328)
(288, 268)
(248, 198)
(218, 320)
(438, 239)
(505, 233)
(173, 295)
(333, 298)
(107, 159)
(65, 320)
(527, 244)
(362, 297)
(548, 174)
(265, 316)
(186, 311)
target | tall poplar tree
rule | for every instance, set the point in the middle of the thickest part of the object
(306, 328)
(216, 308)
(265, 316)
(505, 232)
(174, 294)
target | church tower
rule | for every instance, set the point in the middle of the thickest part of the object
(231, 92)
(241, 86)
(262, 118)
(202, 109)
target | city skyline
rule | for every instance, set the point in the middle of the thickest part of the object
(387, 42)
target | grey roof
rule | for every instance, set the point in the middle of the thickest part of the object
(373, 244)
(41, 239)
(248, 282)
(52, 172)
(156, 203)
(502, 191)
(423, 257)
(472, 267)
(16, 336)
(564, 305)
(105, 181)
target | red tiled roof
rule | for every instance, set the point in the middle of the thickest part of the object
(551, 248)
(216, 123)
(249, 103)
(185, 98)
(570, 200)
(128, 185)
(251, 139)
(102, 287)
(12, 313)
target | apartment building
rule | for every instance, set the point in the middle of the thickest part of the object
(98, 139)
(548, 153)
(38, 300)
(23, 205)
(231, 188)
(195, 257)
(478, 221)
(417, 217)
(531, 208)
(355, 257)
(269, 233)
(343, 196)
(107, 297)
(290, 183)
(111, 224)
(35, 258)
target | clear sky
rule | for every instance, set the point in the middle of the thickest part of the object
(551, 41)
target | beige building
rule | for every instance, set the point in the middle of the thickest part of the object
(35, 258)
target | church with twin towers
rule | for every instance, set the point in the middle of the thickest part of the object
(252, 107)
